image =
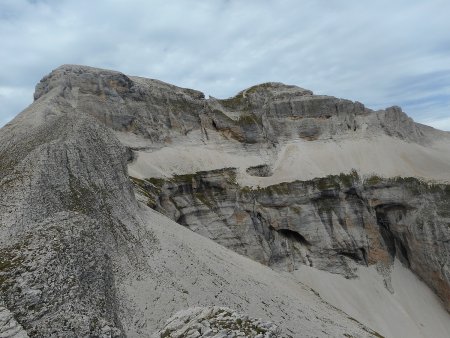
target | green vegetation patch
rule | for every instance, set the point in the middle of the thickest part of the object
(186, 178)
(326, 183)
(283, 188)
(249, 119)
(258, 87)
(157, 182)
(81, 198)
(10, 258)
(336, 182)
(150, 188)
(373, 180)
(236, 102)
(205, 199)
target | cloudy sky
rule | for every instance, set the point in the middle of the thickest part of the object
(381, 53)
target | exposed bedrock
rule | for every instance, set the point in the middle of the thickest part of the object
(332, 223)
(216, 322)
(265, 113)
(64, 202)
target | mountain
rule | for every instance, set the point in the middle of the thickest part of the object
(125, 200)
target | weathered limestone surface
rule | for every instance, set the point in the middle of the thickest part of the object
(9, 328)
(266, 113)
(64, 196)
(331, 223)
(216, 322)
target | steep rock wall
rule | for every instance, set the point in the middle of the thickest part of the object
(331, 223)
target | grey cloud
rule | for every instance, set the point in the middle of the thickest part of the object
(380, 53)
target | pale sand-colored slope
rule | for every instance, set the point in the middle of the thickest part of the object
(411, 311)
(383, 156)
(302, 160)
(188, 270)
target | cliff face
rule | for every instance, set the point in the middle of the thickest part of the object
(266, 113)
(82, 256)
(333, 223)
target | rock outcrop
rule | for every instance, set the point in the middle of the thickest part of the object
(9, 327)
(333, 223)
(266, 113)
(216, 322)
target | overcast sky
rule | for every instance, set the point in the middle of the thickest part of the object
(381, 53)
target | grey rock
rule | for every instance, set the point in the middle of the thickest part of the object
(266, 113)
(216, 322)
(9, 328)
(64, 196)
(262, 170)
(334, 223)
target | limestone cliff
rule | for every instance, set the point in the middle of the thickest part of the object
(266, 113)
(332, 223)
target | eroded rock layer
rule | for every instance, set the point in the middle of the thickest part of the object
(329, 223)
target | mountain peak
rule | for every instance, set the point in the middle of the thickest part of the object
(276, 88)
(85, 77)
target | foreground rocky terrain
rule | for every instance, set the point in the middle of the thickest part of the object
(287, 178)
(216, 322)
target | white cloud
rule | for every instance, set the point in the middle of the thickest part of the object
(13, 100)
(443, 123)
(366, 51)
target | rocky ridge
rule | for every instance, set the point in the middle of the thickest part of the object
(266, 113)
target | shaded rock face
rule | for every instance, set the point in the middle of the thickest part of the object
(333, 223)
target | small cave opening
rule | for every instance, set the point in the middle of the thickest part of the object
(382, 219)
(130, 155)
(395, 245)
(294, 235)
(386, 234)
(214, 125)
(402, 252)
(182, 221)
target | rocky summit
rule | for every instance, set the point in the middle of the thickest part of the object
(130, 207)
